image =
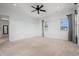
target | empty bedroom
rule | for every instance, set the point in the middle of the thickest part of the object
(39, 29)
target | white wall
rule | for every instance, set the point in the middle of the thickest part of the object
(23, 27)
(78, 25)
(54, 28)
(78, 28)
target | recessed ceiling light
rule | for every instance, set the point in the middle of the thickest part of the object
(58, 7)
(14, 4)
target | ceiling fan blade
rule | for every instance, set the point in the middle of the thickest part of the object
(33, 10)
(41, 6)
(43, 10)
(38, 11)
(33, 7)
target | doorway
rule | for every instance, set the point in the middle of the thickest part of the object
(4, 26)
(44, 27)
(5, 29)
(72, 35)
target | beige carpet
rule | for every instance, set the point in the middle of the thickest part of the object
(39, 46)
(3, 40)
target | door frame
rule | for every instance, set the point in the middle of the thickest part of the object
(4, 29)
(43, 28)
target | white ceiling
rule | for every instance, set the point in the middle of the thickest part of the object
(25, 8)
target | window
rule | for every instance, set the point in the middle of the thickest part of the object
(64, 24)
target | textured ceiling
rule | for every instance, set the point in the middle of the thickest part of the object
(52, 9)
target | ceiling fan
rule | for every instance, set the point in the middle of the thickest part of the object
(38, 8)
